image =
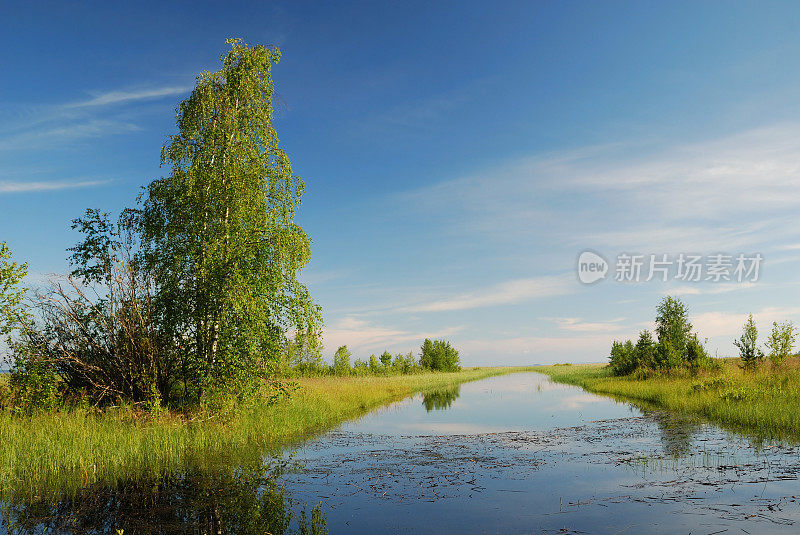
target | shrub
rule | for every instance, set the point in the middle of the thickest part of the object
(676, 347)
(781, 342)
(341, 361)
(749, 351)
(696, 355)
(623, 358)
(439, 355)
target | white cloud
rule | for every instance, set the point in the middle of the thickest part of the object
(361, 336)
(118, 97)
(69, 131)
(577, 325)
(540, 349)
(509, 292)
(34, 186)
(44, 126)
(737, 193)
(729, 324)
(712, 289)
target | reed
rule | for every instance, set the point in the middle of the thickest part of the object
(764, 403)
(69, 450)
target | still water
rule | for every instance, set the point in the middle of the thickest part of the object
(509, 454)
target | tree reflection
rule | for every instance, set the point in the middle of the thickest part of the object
(676, 430)
(230, 501)
(441, 399)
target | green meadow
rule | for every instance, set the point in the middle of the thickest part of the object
(66, 450)
(763, 402)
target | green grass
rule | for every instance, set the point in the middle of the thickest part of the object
(65, 451)
(765, 403)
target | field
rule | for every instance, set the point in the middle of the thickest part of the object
(65, 451)
(765, 403)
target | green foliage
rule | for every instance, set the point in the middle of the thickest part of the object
(32, 387)
(93, 259)
(440, 399)
(761, 402)
(218, 232)
(383, 365)
(439, 355)
(341, 361)
(11, 294)
(781, 342)
(673, 330)
(97, 331)
(623, 357)
(360, 367)
(189, 298)
(646, 350)
(304, 352)
(749, 352)
(79, 448)
(676, 347)
(404, 363)
(696, 354)
(374, 364)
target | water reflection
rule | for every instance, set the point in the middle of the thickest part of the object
(230, 501)
(440, 400)
(676, 431)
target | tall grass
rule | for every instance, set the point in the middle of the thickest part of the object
(65, 451)
(765, 403)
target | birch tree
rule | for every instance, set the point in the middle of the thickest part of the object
(218, 232)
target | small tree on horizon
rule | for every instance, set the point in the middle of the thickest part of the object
(341, 361)
(749, 351)
(11, 294)
(374, 363)
(673, 330)
(439, 355)
(781, 342)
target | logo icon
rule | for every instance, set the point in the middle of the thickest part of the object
(591, 267)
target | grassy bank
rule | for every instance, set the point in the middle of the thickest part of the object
(765, 403)
(65, 451)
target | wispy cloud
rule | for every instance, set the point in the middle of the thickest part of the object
(689, 193)
(119, 97)
(712, 289)
(590, 347)
(41, 126)
(504, 293)
(726, 323)
(362, 336)
(34, 186)
(578, 325)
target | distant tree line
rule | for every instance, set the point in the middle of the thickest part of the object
(675, 345)
(306, 359)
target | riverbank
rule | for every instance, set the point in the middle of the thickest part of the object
(765, 403)
(65, 451)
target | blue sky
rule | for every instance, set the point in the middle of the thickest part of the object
(458, 157)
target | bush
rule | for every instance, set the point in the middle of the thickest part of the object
(749, 352)
(781, 342)
(439, 355)
(107, 348)
(696, 355)
(341, 361)
(623, 360)
(676, 347)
